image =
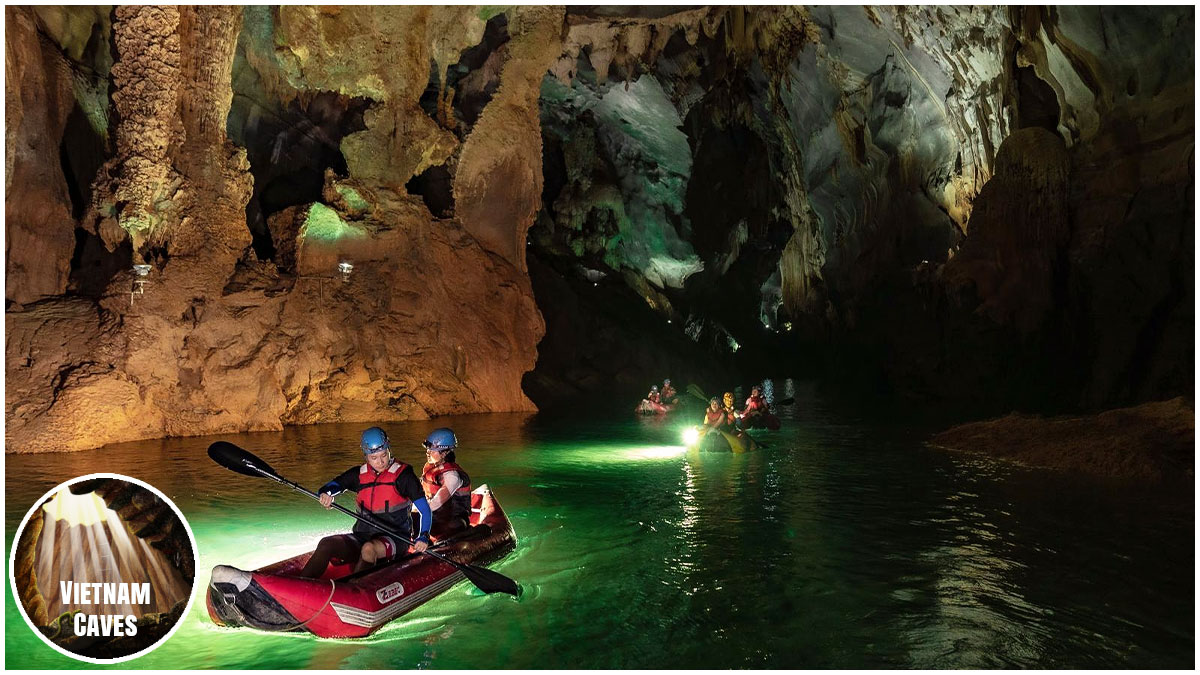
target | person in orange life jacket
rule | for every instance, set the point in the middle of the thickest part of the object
(668, 392)
(730, 413)
(714, 417)
(446, 484)
(387, 490)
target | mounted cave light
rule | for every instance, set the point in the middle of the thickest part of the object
(345, 267)
(733, 344)
(140, 272)
(787, 325)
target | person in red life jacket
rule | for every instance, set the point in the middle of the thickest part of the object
(714, 417)
(446, 484)
(654, 396)
(756, 405)
(668, 393)
(387, 490)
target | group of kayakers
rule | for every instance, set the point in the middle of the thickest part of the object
(666, 396)
(438, 504)
(722, 416)
(435, 506)
(659, 401)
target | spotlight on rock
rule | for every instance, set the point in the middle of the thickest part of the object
(345, 267)
(140, 272)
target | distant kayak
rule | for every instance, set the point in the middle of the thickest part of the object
(648, 407)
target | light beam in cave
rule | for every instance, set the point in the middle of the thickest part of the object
(84, 541)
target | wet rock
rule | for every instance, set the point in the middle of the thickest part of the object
(1149, 442)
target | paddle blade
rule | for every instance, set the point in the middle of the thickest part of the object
(696, 391)
(490, 582)
(236, 459)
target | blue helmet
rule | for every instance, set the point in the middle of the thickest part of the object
(374, 440)
(441, 439)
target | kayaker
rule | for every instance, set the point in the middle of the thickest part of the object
(714, 417)
(387, 490)
(446, 484)
(755, 405)
(668, 394)
(654, 396)
(730, 412)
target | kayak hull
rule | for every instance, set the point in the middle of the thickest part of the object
(725, 441)
(344, 605)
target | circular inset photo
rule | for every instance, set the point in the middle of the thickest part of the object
(103, 568)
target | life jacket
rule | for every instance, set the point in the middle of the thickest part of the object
(668, 393)
(756, 403)
(730, 415)
(432, 481)
(654, 397)
(377, 493)
(711, 416)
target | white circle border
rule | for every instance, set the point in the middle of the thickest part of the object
(12, 564)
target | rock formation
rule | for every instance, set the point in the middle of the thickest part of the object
(215, 339)
(1153, 442)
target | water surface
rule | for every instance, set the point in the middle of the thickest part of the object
(844, 544)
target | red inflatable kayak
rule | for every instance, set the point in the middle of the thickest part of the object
(648, 407)
(345, 605)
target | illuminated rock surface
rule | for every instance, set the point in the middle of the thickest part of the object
(987, 206)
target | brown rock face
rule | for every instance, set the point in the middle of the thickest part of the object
(1019, 227)
(381, 53)
(1152, 441)
(39, 227)
(498, 187)
(428, 322)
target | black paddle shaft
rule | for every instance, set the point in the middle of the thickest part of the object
(236, 459)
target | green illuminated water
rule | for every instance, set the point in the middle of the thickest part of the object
(844, 544)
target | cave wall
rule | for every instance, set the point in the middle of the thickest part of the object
(39, 235)
(430, 321)
(883, 238)
(968, 203)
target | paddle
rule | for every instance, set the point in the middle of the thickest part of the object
(238, 460)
